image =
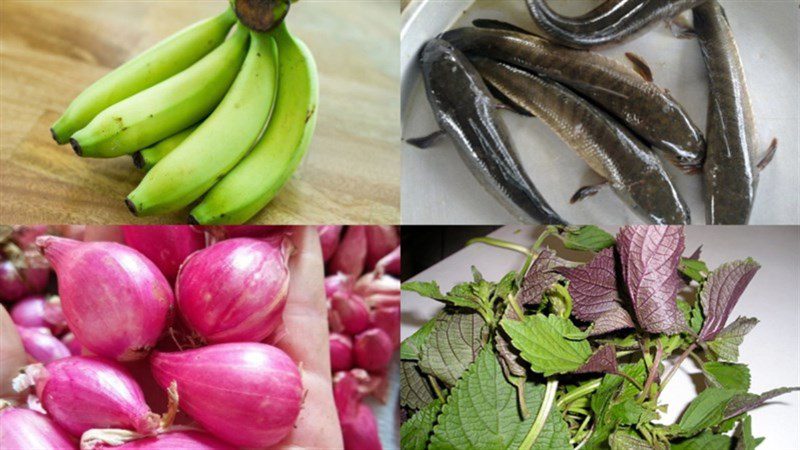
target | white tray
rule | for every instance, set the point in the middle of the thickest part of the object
(437, 188)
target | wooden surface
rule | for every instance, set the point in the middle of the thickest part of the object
(51, 50)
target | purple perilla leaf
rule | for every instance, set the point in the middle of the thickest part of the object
(603, 360)
(539, 278)
(593, 288)
(650, 257)
(721, 291)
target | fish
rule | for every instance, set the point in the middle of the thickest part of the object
(648, 110)
(612, 22)
(730, 172)
(467, 112)
(635, 174)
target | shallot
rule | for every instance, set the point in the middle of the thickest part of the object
(390, 263)
(17, 281)
(115, 300)
(248, 394)
(22, 428)
(341, 348)
(351, 311)
(236, 289)
(360, 431)
(329, 240)
(351, 256)
(29, 312)
(82, 393)
(373, 350)
(167, 246)
(41, 345)
(72, 344)
(381, 240)
(38, 311)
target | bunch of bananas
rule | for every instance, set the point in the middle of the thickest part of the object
(224, 118)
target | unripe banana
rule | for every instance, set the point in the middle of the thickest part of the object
(166, 108)
(219, 142)
(262, 173)
(156, 64)
(146, 158)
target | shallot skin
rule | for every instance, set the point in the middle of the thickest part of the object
(115, 300)
(247, 394)
(27, 429)
(81, 393)
(183, 440)
(167, 246)
(236, 289)
(329, 240)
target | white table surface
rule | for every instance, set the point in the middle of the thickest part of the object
(437, 187)
(772, 349)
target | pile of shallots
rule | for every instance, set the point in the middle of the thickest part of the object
(190, 310)
(364, 319)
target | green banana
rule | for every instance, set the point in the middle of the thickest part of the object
(160, 62)
(166, 108)
(146, 158)
(262, 173)
(219, 142)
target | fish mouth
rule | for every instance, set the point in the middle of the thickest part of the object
(689, 166)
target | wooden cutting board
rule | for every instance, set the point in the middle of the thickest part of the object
(51, 50)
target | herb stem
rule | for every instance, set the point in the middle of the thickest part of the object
(549, 231)
(541, 417)
(651, 377)
(512, 299)
(436, 387)
(499, 243)
(677, 364)
(579, 392)
(631, 380)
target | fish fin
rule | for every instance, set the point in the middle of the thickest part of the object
(506, 103)
(586, 191)
(680, 28)
(640, 66)
(770, 153)
(426, 141)
(494, 24)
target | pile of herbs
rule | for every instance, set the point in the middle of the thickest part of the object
(564, 355)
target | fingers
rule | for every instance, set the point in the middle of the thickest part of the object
(306, 341)
(12, 355)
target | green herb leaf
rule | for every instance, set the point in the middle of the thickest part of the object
(613, 389)
(628, 440)
(587, 238)
(744, 402)
(726, 343)
(693, 268)
(416, 432)
(743, 436)
(461, 295)
(628, 412)
(727, 375)
(705, 411)
(415, 389)
(411, 348)
(704, 441)
(452, 345)
(482, 413)
(551, 344)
